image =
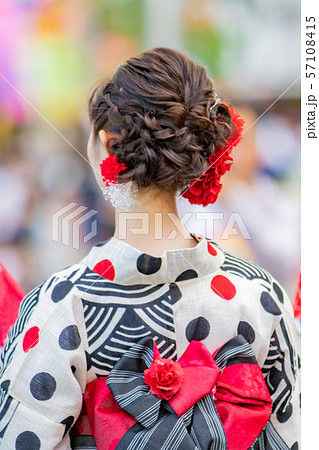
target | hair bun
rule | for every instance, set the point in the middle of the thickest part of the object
(162, 108)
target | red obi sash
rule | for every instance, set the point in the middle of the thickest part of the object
(204, 401)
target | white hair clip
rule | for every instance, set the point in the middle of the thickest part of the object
(121, 195)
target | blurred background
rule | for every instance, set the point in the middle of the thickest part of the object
(53, 51)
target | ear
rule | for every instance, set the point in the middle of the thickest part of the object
(105, 138)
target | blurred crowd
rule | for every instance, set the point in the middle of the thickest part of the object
(60, 48)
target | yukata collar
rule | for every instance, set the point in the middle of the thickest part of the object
(122, 263)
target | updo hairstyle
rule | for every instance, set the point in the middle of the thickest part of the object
(159, 106)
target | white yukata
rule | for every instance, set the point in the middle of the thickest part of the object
(75, 326)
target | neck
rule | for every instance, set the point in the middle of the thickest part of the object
(153, 225)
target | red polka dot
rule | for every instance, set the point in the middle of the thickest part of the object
(223, 287)
(105, 269)
(211, 249)
(31, 338)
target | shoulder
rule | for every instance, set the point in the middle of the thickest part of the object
(262, 304)
(48, 310)
(56, 295)
(61, 285)
(58, 286)
(258, 283)
(244, 268)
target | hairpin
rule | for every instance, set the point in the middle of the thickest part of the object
(217, 100)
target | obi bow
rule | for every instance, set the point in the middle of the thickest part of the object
(202, 401)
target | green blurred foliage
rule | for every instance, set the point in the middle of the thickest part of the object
(121, 16)
(206, 46)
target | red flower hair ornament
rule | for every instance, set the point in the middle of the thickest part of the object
(203, 190)
(110, 168)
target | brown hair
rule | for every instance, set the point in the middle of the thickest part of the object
(158, 104)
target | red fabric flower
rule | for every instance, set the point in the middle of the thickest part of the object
(205, 189)
(164, 377)
(110, 168)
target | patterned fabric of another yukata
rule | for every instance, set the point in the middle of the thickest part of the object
(77, 325)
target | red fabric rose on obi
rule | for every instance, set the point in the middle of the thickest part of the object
(164, 377)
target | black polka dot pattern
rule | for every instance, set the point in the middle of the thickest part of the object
(285, 415)
(68, 423)
(27, 441)
(269, 304)
(5, 385)
(187, 275)
(61, 290)
(174, 293)
(70, 338)
(88, 361)
(246, 331)
(197, 329)
(278, 292)
(148, 264)
(42, 386)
